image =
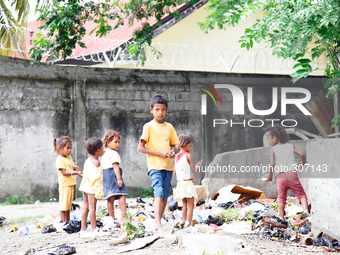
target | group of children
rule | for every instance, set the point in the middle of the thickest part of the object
(103, 180)
(100, 179)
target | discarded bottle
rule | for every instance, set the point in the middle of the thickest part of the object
(24, 230)
(306, 228)
(198, 218)
(74, 216)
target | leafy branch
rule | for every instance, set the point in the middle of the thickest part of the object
(132, 231)
(290, 28)
(65, 23)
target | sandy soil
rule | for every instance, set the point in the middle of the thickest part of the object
(13, 243)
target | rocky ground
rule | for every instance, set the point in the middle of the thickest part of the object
(178, 243)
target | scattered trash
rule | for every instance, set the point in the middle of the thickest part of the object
(138, 243)
(30, 251)
(140, 200)
(237, 228)
(327, 238)
(2, 220)
(243, 215)
(201, 202)
(293, 210)
(46, 221)
(236, 192)
(25, 230)
(226, 205)
(299, 223)
(306, 228)
(214, 220)
(13, 228)
(252, 207)
(49, 229)
(122, 239)
(72, 227)
(63, 250)
(173, 205)
(75, 206)
(307, 240)
(328, 234)
(275, 222)
(201, 215)
(322, 241)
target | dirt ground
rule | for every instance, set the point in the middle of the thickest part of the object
(14, 243)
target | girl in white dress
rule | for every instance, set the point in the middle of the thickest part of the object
(184, 170)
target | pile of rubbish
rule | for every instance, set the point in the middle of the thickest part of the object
(234, 209)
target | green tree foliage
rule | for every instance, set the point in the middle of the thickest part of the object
(287, 26)
(65, 22)
(291, 28)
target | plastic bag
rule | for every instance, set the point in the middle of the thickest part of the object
(46, 221)
(49, 229)
(63, 250)
(73, 227)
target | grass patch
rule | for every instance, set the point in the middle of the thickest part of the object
(146, 192)
(23, 219)
(15, 200)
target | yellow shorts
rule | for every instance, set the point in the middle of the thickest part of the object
(65, 197)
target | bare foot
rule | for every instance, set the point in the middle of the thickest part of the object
(161, 233)
(159, 230)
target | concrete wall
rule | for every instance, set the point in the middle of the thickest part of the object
(42, 102)
(257, 157)
(324, 192)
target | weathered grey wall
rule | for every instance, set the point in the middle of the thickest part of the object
(42, 102)
(324, 192)
(258, 157)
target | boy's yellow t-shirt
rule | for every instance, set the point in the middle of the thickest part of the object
(65, 163)
(159, 137)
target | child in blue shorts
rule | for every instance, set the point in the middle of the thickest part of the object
(158, 141)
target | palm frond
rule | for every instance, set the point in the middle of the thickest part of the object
(6, 16)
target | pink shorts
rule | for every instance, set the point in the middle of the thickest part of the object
(286, 181)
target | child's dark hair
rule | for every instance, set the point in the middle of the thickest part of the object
(59, 143)
(277, 130)
(109, 135)
(185, 139)
(158, 99)
(93, 144)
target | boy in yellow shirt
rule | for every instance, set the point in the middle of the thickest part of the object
(158, 141)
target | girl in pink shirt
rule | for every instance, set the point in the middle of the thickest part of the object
(282, 162)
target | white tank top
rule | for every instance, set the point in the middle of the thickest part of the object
(183, 170)
(284, 158)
